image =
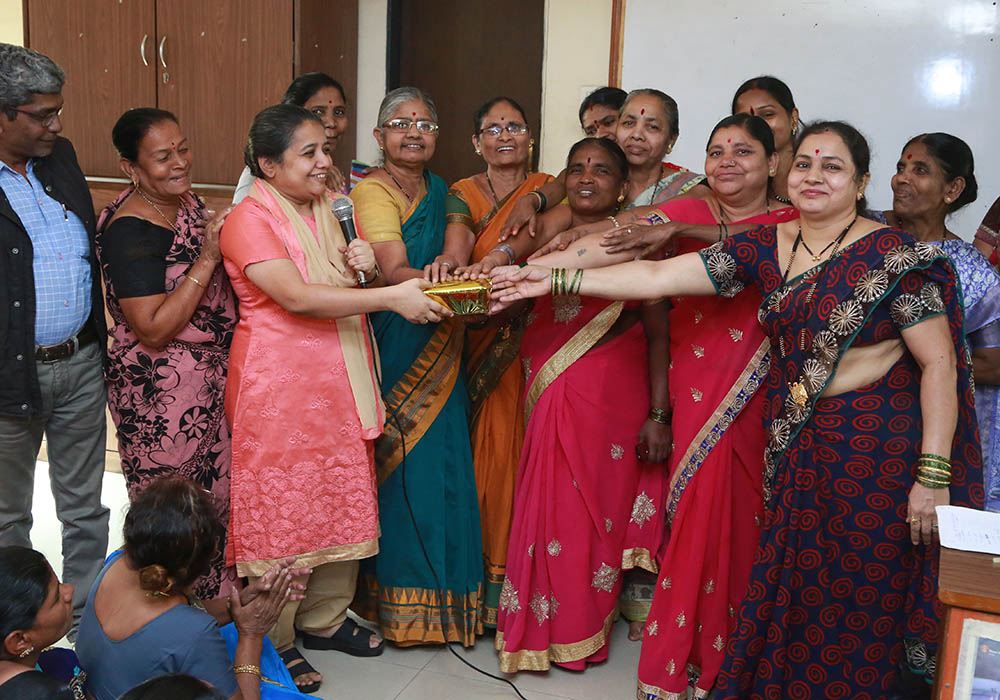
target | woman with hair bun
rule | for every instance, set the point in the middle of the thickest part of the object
(935, 178)
(142, 621)
(173, 312)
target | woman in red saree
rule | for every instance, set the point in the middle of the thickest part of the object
(714, 504)
(588, 395)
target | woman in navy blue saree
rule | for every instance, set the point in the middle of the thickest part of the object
(868, 371)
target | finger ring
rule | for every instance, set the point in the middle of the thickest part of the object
(934, 526)
(914, 520)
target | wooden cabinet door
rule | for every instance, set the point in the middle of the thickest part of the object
(99, 45)
(221, 62)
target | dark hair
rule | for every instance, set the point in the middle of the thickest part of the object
(613, 149)
(772, 86)
(271, 133)
(669, 106)
(303, 87)
(173, 686)
(954, 157)
(172, 531)
(856, 144)
(485, 108)
(610, 97)
(753, 125)
(132, 127)
(24, 583)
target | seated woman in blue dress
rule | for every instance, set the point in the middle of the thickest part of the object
(141, 622)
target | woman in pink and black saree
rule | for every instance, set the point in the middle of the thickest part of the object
(871, 425)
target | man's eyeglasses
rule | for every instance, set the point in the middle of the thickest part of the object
(45, 120)
(424, 126)
(513, 128)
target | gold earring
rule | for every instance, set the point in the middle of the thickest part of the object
(772, 173)
(947, 200)
(621, 198)
(478, 152)
(26, 653)
(531, 155)
(795, 129)
(860, 195)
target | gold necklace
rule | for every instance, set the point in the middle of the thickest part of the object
(158, 210)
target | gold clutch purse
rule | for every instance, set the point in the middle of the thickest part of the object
(464, 297)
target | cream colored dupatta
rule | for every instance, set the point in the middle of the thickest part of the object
(325, 264)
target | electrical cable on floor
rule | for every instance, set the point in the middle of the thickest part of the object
(442, 607)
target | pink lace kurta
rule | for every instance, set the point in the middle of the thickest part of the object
(303, 475)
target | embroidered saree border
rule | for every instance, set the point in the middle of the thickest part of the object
(573, 350)
(639, 557)
(415, 401)
(711, 432)
(409, 616)
(340, 552)
(485, 374)
(541, 660)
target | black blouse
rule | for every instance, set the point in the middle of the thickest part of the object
(135, 253)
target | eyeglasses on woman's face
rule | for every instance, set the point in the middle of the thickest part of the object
(513, 128)
(402, 125)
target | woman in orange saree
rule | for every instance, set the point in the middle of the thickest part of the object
(475, 209)
(588, 446)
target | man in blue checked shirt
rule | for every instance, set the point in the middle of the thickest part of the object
(52, 330)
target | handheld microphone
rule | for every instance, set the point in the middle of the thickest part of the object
(343, 211)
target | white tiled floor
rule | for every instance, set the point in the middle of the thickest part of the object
(415, 673)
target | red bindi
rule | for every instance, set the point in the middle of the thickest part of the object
(909, 155)
(729, 140)
(752, 113)
(642, 111)
(817, 151)
(414, 114)
(588, 161)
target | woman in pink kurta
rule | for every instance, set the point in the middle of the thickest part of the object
(302, 393)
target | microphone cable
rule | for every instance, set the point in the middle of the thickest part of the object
(442, 606)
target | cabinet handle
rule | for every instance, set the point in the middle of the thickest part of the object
(142, 49)
(162, 42)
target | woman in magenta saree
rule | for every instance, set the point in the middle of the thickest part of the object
(579, 503)
(869, 371)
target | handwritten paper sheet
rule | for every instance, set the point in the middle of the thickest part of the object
(968, 529)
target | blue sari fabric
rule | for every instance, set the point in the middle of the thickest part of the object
(839, 598)
(427, 422)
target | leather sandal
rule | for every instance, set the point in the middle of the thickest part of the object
(349, 638)
(298, 666)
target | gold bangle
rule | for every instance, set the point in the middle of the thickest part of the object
(196, 281)
(658, 415)
(933, 470)
(933, 484)
(935, 461)
(247, 668)
(934, 477)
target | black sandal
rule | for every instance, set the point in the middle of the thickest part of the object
(298, 666)
(349, 638)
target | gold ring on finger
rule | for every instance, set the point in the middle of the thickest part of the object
(914, 520)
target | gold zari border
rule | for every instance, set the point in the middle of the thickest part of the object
(340, 552)
(540, 660)
(639, 557)
(573, 350)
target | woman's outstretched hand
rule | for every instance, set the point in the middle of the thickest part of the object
(512, 283)
(521, 214)
(409, 301)
(642, 240)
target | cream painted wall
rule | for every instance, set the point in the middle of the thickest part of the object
(11, 23)
(372, 29)
(575, 61)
